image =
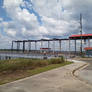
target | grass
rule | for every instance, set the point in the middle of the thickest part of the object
(25, 64)
(49, 67)
(11, 70)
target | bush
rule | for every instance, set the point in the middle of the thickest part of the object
(56, 60)
(41, 63)
(24, 64)
(62, 59)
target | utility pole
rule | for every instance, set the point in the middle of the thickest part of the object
(81, 32)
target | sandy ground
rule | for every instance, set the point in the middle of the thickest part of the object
(57, 80)
(86, 73)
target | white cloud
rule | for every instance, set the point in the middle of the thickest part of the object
(26, 24)
(11, 32)
(1, 19)
(59, 27)
(48, 8)
(52, 18)
(43, 30)
(55, 20)
(58, 18)
(21, 19)
(13, 3)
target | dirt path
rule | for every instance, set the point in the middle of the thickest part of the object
(57, 80)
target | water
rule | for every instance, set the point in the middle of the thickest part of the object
(5, 56)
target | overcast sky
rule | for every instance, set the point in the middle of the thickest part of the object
(37, 19)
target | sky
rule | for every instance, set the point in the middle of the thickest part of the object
(37, 19)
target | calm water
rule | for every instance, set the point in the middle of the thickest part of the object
(4, 56)
(10, 55)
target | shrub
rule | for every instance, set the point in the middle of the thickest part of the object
(41, 63)
(56, 60)
(23, 64)
(62, 59)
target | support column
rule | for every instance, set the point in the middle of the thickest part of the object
(48, 44)
(53, 47)
(41, 45)
(29, 46)
(88, 42)
(81, 46)
(23, 46)
(75, 46)
(60, 45)
(35, 45)
(18, 46)
(69, 48)
(12, 46)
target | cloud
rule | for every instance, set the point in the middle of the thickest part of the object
(11, 32)
(1, 19)
(13, 3)
(59, 27)
(58, 18)
(26, 23)
(21, 19)
(48, 8)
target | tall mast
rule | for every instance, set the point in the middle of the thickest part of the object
(81, 31)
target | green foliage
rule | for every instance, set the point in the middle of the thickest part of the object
(25, 64)
(56, 60)
(8, 79)
(82, 55)
(62, 59)
(46, 68)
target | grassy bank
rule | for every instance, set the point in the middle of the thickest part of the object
(11, 70)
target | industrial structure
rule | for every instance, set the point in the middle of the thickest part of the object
(82, 37)
(72, 37)
(88, 51)
(36, 41)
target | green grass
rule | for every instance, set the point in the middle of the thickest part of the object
(25, 64)
(33, 72)
(15, 69)
(49, 67)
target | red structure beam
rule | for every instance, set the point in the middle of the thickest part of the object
(84, 36)
(88, 48)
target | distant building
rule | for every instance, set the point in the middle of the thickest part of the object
(88, 51)
(45, 49)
